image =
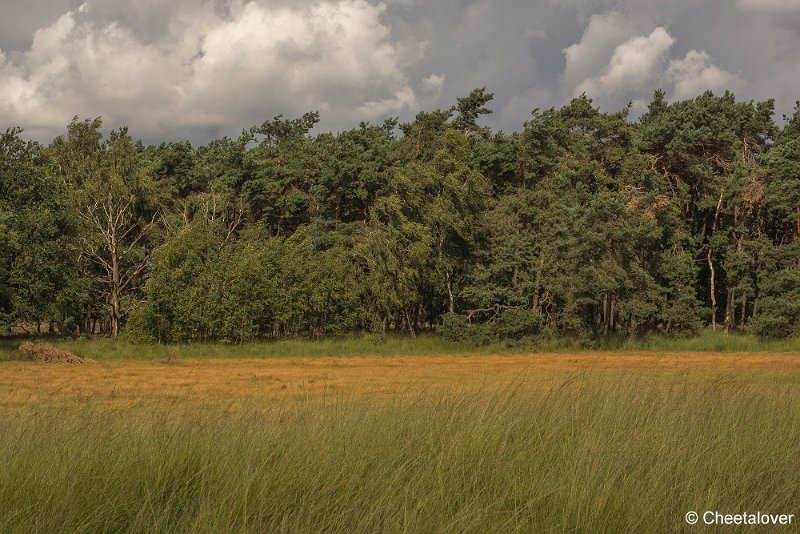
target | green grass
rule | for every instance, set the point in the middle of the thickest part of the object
(617, 454)
(393, 345)
(9, 349)
(361, 345)
(710, 341)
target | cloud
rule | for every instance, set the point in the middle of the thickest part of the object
(331, 56)
(586, 58)
(771, 6)
(203, 68)
(403, 99)
(633, 65)
(209, 70)
(783, 14)
(434, 84)
(696, 73)
(642, 63)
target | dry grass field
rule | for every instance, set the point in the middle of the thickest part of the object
(128, 382)
(584, 442)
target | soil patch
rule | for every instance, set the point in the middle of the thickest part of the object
(47, 353)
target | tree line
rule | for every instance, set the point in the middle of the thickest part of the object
(583, 223)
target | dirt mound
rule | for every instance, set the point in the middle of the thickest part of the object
(47, 353)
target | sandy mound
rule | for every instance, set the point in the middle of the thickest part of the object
(47, 353)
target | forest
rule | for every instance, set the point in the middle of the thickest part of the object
(582, 223)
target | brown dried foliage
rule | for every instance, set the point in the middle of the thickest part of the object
(47, 353)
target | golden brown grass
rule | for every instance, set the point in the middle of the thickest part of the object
(128, 382)
(604, 442)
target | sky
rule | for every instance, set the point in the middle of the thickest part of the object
(200, 69)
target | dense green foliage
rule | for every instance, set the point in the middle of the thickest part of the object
(583, 224)
(590, 453)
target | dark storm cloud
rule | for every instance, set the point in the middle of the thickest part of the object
(19, 19)
(186, 68)
(513, 48)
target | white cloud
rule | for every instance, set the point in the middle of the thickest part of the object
(210, 71)
(404, 99)
(633, 65)
(696, 73)
(434, 84)
(203, 68)
(588, 57)
(642, 63)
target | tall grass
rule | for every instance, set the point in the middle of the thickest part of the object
(399, 345)
(616, 454)
(357, 345)
(706, 340)
(352, 346)
(425, 345)
(9, 349)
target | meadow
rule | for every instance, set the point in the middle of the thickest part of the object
(394, 440)
(705, 340)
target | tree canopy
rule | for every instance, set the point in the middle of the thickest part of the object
(582, 223)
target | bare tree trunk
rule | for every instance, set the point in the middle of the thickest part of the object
(710, 259)
(451, 303)
(409, 325)
(120, 229)
(713, 290)
(612, 313)
(730, 307)
(743, 314)
(116, 313)
(598, 318)
(730, 311)
(114, 296)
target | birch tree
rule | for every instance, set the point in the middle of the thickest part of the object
(113, 199)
